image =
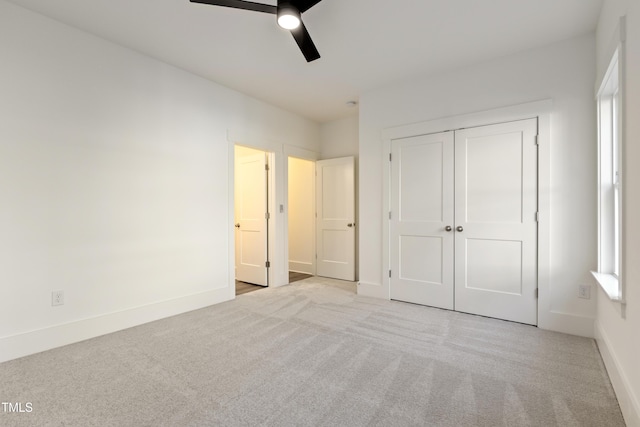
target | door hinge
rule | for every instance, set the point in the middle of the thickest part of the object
(389, 156)
(537, 216)
(267, 215)
(537, 139)
(267, 264)
(389, 214)
(536, 293)
(389, 274)
(266, 166)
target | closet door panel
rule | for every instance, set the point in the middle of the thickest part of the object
(421, 210)
(495, 219)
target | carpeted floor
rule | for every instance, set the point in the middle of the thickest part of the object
(313, 353)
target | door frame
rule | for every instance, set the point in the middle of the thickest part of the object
(540, 110)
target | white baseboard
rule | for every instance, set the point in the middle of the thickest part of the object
(301, 267)
(628, 401)
(566, 323)
(549, 320)
(32, 342)
(372, 290)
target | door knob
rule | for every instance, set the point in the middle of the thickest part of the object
(351, 225)
(459, 228)
(237, 225)
(448, 228)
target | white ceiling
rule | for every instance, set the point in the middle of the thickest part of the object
(364, 43)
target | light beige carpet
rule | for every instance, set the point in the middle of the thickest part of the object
(314, 353)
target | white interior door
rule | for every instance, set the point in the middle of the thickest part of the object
(251, 219)
(421, 213)
(495, 218)
(335, 222)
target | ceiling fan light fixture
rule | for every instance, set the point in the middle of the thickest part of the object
(288, 17)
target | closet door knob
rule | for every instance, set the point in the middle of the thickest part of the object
(237, 225)
(459, 228)
(448, 228)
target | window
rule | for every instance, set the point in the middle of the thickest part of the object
(610, 177)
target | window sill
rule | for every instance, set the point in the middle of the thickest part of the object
(609, 284)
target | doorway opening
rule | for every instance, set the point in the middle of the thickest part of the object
(252, 218)
(302, 218)
(321, 213)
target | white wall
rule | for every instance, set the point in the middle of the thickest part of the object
(564, 72)
(302, 221)
(339, 138)
(115, 183)
(618, 335)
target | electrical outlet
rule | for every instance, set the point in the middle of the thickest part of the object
(57, 298)
(584, 291)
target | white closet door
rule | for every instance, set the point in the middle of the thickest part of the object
(421, 212)
(335, 223)
(495, 219)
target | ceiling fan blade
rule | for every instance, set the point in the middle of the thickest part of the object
(240, 4)
(302, 37)
(304, 5)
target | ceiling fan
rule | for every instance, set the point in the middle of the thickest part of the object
(289, 17)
